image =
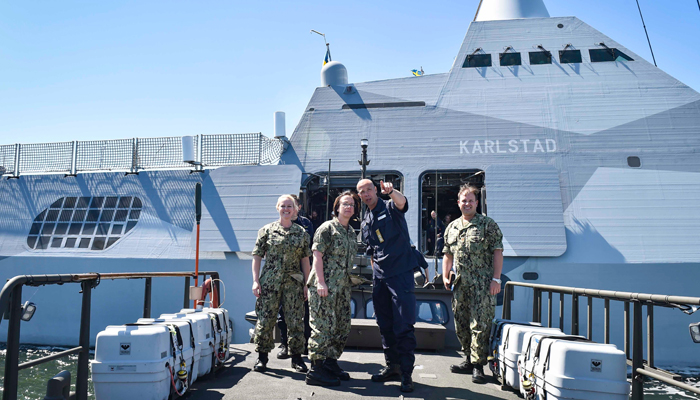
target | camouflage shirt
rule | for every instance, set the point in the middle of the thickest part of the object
(472, 244)
(339, 246)
(283, 249)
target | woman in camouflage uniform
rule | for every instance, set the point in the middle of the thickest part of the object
(284, 245)
(335, 245)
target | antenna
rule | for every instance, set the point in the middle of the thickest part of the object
(328, 45)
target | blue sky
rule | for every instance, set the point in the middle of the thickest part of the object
(86, 70)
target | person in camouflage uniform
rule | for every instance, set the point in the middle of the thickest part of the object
(335, 246)
(474, 245)
(284, 245)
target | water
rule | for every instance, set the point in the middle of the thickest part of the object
(32, 381)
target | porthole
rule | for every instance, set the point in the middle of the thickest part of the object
(634, 161)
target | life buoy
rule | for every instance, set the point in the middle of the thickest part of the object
(206, 289)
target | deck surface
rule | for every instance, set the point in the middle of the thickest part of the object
(432, 378)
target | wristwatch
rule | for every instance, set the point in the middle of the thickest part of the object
(496, 280)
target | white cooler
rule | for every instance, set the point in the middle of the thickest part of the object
(526, 360)
(191, 351)
(511, 348)
(132, 362)
(204, 337)
(575, 370)
(221, 327)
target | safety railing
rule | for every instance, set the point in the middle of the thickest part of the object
(635, 354)
(138, 154)
(10, 300)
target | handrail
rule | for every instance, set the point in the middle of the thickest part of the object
(686, 304)
(10, 300)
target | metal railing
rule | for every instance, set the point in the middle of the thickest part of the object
(137, 154)
(640, 367)
(10, 300)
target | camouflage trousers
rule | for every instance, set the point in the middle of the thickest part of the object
(290, 293)
(474, 309)
(330, 323)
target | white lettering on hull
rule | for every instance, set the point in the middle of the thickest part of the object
(513, 146)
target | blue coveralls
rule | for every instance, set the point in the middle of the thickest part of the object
(385, 232)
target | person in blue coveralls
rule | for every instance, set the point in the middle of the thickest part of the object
(385, 233)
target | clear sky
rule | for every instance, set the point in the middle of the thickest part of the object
(86, 70)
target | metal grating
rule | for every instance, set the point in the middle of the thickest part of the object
(7, 159)
(161, 152)
(239, 149)
(46, 157)
(104, 155)
(84, 223)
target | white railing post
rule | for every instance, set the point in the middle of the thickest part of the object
(15, 173)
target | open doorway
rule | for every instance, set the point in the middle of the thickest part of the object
(439, 191)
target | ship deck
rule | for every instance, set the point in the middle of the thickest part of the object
(432, 378)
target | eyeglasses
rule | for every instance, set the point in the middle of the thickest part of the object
(347, 205)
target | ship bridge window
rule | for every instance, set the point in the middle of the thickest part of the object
(507, 59)
(540, 57)
(569, 56)
(69, 222)
(608, 54)
(318, 194)
(439, 191)
(477, 61)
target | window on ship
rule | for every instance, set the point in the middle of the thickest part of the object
(318, 194)
(540, 57)
(477, 60)
(569, 56)
(508, 59)
(439, 191)
(608, 54)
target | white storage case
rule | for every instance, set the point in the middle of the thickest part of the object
(526, 359)
(223, 332)
(580, 371)
(204, 337)
(511, 347)
(191, 350)
(130, 363)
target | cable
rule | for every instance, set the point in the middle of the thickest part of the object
(647, 33)
(223, 291)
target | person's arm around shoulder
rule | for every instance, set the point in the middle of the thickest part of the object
(397, 197)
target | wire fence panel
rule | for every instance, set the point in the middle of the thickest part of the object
(235, 149)
(270, 150)
(46, 157)
(165, 152)
(138, 154)
(105, 155)
(7, 159)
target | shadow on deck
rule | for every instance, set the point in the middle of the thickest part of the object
(432, 377)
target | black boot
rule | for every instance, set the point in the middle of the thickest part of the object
(387, 373)
(464, 368)
(332, 366)
(320, 376)
(261, 364)
(478, 374)
(298, 364)
(406, 383)
(284, 352)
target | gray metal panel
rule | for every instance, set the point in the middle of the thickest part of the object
(238, 201)
(525, 201)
